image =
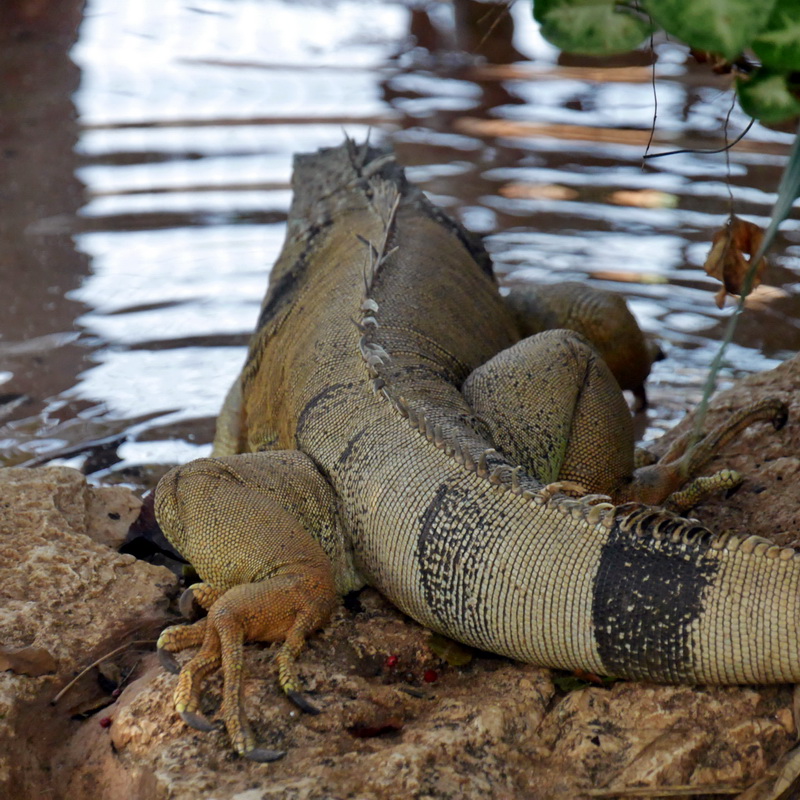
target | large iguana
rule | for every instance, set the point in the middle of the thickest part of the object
(347, 454)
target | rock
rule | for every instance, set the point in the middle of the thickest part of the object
(637, 734)
(65, 599)
(103, 513)
(111, 510)
(397, 720)
(459, 739)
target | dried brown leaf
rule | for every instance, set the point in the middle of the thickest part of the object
(727, 263)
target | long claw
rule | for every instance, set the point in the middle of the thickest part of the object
(168, 661)
(300, 701)
(187, 605)
(263, 755)
(197, 721)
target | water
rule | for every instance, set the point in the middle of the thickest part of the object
(137, 255)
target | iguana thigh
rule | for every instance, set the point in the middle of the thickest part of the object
(553, 406)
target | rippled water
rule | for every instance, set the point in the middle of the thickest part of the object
(139, 255)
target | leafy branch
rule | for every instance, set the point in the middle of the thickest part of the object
(727, 30)
(757, 40)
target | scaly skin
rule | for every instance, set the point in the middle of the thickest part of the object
(602, 317)
(379, 309)
(558, 441)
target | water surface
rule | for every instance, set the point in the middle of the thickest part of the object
(151, 185)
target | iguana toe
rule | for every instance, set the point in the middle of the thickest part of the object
(300, 701)
(197, 721)
(726, 480)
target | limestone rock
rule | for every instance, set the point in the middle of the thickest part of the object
(63, 593)
(111, 510)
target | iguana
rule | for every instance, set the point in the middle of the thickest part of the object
(347, 454)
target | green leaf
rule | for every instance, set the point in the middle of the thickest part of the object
(766, 96)
(778, 45)
(590, 27)
(719, 26)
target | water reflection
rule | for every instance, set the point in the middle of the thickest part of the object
(139, 293)
(39, 265)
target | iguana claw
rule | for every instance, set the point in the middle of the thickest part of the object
(262, 755)
(197, 597)
(168, 661)
(300, 701)
(197, 721)
(187, 604)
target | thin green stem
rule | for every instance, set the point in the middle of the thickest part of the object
(788, 192)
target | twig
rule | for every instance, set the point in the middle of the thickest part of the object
(705, 152)
(97, 663)
(666, 791)
(655, 101)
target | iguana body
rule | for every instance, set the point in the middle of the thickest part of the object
(378, 310)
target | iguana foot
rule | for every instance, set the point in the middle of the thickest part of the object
(285, 606)
(726, 480)
(244, 523)
(673, 481)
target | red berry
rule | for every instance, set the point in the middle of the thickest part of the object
(430, 676)
(105, 722)
(391, 662)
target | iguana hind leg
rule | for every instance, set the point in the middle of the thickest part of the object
(553, 406)
(243, 521)
(602, 317)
